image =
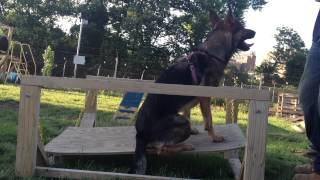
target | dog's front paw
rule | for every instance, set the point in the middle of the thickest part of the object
(216, 138)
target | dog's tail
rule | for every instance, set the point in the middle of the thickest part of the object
(140, 161)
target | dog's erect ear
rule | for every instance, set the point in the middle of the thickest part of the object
(229, 19)
(214, 19)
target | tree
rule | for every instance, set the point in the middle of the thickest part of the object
(267, 70)
(289, 43)
(48, 57)
(34, 22)
(235, 77)
(147, 33)
(294, 69)
(288, 56)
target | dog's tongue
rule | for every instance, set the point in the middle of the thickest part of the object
(245, 46)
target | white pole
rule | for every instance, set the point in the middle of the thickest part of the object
(78, 47)
(142, 74)
(116, 65)
(64, 68)
(260, 83)
(98, 73)
(274, 88)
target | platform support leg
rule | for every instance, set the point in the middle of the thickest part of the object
(232, 155)
(254, 157)
(90, 109)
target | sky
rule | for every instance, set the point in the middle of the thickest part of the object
(297, 14)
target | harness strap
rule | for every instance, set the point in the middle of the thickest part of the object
(192, 67)
(193, 73)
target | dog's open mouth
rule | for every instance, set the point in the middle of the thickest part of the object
(248, 34)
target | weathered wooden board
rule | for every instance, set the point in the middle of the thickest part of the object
(88, 120)
(83, 174)
(121, 140)
(27, 139)
(147, 87)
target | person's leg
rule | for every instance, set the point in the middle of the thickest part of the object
(308, 95)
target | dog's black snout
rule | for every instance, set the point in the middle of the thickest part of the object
(251, 33)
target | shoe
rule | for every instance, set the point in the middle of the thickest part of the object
(313, 176)
(303, 169)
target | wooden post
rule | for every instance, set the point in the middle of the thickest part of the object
(232, 155)
(27, 139)
(235, 110)
(91, 101)
(254, 158)
(228, 110)
(90, 109)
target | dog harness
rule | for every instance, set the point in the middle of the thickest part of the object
(193, 73)
(192, 68)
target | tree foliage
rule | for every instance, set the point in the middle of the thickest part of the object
(146, 34)
(235, 77)
(286, 61)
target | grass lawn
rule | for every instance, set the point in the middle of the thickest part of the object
(60, 109)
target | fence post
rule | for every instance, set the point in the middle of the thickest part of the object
(254, 158)
(27, 138)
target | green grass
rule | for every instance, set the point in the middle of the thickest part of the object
(60, 109)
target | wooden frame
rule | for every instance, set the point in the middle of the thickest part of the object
(28, 142)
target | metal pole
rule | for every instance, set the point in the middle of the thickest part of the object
(78, 47)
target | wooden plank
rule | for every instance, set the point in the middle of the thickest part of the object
(91, 101)
(154, 88)
(254, 159)
(228, 110)
(121, 140)
(27, 138)
(83, 174)
(235, 107)
(291, 112)
(88, 120)
(90, 109)
(119, 79)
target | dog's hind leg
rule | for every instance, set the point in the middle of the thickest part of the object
(140, 161)
(207, 116)
(171, 149)
(176, 130)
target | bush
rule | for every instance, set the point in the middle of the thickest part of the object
(48, 57)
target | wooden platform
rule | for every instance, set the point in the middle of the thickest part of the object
(121, 140)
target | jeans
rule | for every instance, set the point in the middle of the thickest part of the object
(310, 100)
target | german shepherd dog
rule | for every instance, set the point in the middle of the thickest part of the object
(160, 128)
